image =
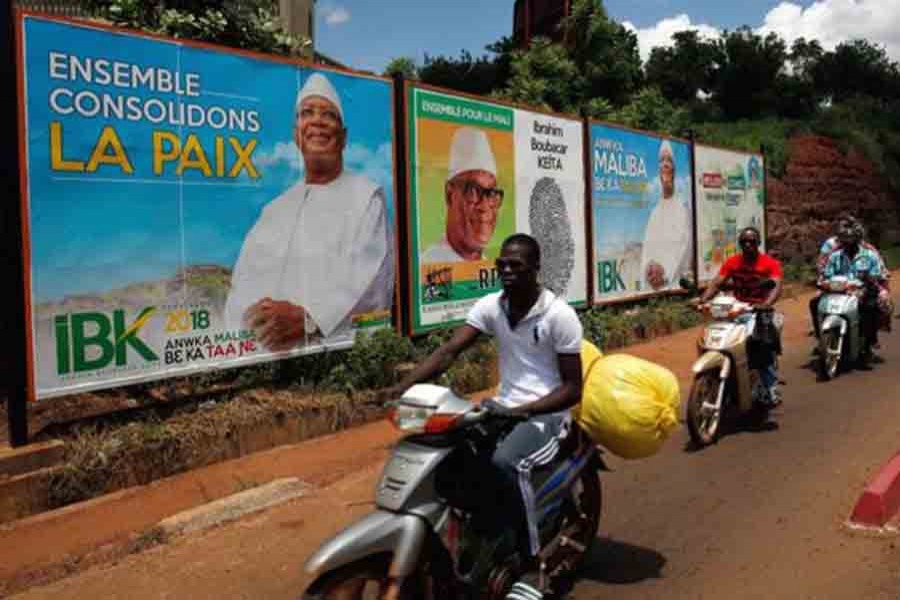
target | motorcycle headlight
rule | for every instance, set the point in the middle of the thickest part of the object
(418, 419)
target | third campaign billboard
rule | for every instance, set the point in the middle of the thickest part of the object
(190, 208)
(731, 195)
(642, 213)
(479, 172)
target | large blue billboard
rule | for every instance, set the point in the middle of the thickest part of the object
(190, 207)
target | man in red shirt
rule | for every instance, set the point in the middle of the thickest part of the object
(747, 272)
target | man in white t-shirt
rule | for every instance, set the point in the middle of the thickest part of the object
(539, 340)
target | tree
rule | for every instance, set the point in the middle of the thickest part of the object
(247, 24)
(595, 67)
(805, 57)
(857, 68)
(685, 68)
(750, 73)
(606, 53)
(480, 76)
(544, 76)
(650, 110)
(402, 66)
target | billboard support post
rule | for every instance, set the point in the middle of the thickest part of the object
(588, 205)
(17, 382)
(401, 202)
(692, 136)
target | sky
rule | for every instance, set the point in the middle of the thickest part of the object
(366, 35)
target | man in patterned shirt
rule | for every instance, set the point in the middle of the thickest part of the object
(830, 245)
(854, 260)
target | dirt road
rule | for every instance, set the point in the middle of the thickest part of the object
(760, 515)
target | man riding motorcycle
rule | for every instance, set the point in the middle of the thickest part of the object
(854, 260)
(747, 271)
(830, 245)
(539, 339)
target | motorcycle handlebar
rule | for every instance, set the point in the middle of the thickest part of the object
(479, 413)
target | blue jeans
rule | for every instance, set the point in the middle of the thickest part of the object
(769, 375)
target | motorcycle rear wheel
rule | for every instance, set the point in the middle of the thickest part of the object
(829, 363)
(703, 424)
(580, 523)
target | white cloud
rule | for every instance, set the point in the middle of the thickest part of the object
(829, 21)
(661, 33)
(835, 21)
(376, 164)
(335, 15)
(282, 152)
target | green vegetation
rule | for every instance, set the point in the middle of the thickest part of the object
(738, 89)
(247, 24)
(891, 256)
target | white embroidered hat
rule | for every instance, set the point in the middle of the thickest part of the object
(318, 85)
(665, 148)
(470, 150)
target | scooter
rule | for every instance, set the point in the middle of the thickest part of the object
(842, 338)
(724, 379)
(433, 536)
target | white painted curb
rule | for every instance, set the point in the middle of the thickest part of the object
(234, 507)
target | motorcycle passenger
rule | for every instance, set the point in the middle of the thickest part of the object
(830, 245)
(539, 342)
(747, 271)
(855, 261)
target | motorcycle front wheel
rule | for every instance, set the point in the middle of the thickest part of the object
(829, 358)
(366, 579)
(702, 420)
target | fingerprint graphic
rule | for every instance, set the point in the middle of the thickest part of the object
(550, 226)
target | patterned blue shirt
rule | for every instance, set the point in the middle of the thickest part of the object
(866, 260)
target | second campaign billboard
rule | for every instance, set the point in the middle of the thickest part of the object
(479, 172)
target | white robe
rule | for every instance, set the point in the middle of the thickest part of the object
(440, 252)
(328, 248)
(668, 240)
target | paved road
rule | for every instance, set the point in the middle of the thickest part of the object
(760, 515)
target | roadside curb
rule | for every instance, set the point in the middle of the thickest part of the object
(233, 507)
(880, 500)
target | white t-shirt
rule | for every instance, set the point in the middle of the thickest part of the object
(529, 367)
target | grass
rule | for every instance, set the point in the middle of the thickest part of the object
(891, 256)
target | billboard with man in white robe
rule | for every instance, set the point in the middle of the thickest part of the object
(190, 208)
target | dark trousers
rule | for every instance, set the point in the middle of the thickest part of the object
(530, 445)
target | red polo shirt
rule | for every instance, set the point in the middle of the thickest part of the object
(747, 277)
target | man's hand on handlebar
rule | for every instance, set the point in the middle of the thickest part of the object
(494, 408)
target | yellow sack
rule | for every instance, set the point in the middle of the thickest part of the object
(629, 405)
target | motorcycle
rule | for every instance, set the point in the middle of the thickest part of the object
(725, 380)
(431, 535)
(842, 330)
